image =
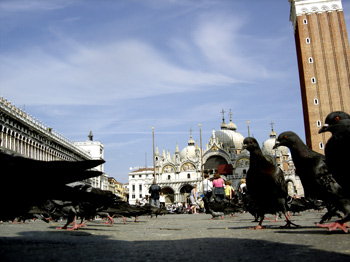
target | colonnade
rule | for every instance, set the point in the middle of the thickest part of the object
(26, 146)
(24, 135)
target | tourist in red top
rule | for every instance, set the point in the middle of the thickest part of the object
(219, 191)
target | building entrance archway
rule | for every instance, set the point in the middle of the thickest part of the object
(291, 188)
(212, 163)
(185, 192)
(169, 195)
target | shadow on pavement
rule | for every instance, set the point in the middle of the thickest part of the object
(83, 246)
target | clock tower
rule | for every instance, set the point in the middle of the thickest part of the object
(323, 55)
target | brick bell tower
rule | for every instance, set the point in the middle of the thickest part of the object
(323, 55)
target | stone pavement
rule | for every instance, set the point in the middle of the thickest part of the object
(176, 238)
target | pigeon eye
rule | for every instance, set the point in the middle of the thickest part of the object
(285, 137)
(337, 118)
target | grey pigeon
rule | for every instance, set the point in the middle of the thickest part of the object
(337, 157)
(265, 184)
(317, 181)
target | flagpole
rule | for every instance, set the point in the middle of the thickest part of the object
(200, 137)
(248, 128)
(154, 161)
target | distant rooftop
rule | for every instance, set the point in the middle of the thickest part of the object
(142, 169)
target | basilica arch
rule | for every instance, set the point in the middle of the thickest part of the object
(291, 187)
(213, 161)
(169, 194)
(186, 188)
(185, 191)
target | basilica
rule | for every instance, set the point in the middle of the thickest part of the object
(178, 173)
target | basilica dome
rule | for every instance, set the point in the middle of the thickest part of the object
(228, 136)
(189, 151)
(232, 126)
(269, 144)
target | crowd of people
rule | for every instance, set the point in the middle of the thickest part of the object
(215, 189)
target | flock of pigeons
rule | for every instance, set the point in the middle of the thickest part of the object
(50, 190)
(324, 178)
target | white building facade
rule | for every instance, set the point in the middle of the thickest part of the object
(139, 183)
(96, 150)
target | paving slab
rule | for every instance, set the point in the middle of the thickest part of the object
(176, 238)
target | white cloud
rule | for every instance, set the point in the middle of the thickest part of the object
(223, 39)
(218, 38)
(101, 74)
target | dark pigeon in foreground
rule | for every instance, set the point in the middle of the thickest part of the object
(78, 200)
(265, 184)
(27, 182)
(337, 150)
(317, 181)
(337, 153)
(87, 202)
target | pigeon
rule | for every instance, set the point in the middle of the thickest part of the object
(28, 170)
(219, 209)
(96, 202)
(337, 154)
(249, 205)
(317, 181)
(80, 200)
(298, 205)
(27, 182)
(265, 184)
(126, 210)
(216, 214)
(337, 147)
(155, 211)
(216, 209)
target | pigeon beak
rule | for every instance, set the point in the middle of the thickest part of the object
(323, 129)
(244, 146)
(277, 144)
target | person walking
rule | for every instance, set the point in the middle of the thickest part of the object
(154, 190)
(219, 191)
(193, 199)
(229, 191)
(207, 192)
(162, 200)
(242, 188)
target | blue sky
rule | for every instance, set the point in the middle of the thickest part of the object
(119, 68)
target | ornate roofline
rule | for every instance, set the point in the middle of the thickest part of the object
(300, 7)
(7, 108)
